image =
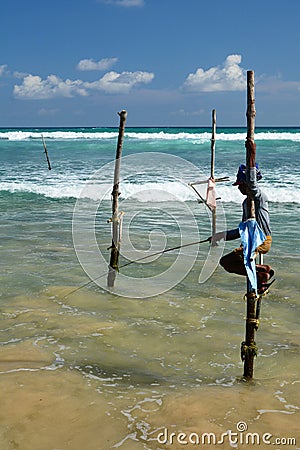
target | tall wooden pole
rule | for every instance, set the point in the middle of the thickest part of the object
(249, 346)
(212, 166)
(115, 246)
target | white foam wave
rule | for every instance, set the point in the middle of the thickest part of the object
(158, 136)
(42, 189)
(57, 135)
(286, 194)
(145, 192)
(260, 136)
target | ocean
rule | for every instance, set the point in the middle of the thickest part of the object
(154, 362)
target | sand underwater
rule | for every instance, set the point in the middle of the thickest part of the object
(97, 371)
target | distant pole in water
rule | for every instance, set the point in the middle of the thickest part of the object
(210, 200)
(46, 153)
(212, 166)
(249, 349)
(116, 225)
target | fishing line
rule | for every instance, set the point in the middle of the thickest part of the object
(138, 260)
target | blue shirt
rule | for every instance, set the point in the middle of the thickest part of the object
(261, 207)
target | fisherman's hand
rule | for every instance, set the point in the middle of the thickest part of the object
(215, 238)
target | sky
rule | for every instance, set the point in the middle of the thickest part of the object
(167, 62)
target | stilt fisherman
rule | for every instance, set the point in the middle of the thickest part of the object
(247, 184)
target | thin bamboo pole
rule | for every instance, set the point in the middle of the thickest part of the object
(46, 153)
(115, 246)
(249, 346)
(212, 166)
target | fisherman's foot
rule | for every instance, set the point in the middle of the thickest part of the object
(271, 273)
(264, 275)
(263, 268)
(263, 287)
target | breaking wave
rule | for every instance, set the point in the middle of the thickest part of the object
(145, 192)
(163, 135)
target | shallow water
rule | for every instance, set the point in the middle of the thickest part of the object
(98, 371)
(93, 370)
(86, 369)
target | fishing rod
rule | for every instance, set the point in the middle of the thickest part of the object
(138, 260)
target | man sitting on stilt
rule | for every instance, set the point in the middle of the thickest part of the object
(234, 261)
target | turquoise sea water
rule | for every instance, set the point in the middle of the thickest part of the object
(116, 370)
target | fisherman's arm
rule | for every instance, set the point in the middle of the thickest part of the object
(228, 235)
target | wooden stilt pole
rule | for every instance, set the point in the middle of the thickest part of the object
(258, 302)
(212, 175)
(248, 350)
(115, 246)
(46, 153)
(212, 167)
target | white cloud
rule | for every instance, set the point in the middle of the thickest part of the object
(47, 112)
(90, 64)
(18, 74)
(274, 85)
(121, 83)
(227, 77)
(182, 112)
(35, 88)
(3, 68)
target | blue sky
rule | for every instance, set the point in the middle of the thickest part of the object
(167, 62)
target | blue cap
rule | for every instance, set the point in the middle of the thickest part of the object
(241, 175)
